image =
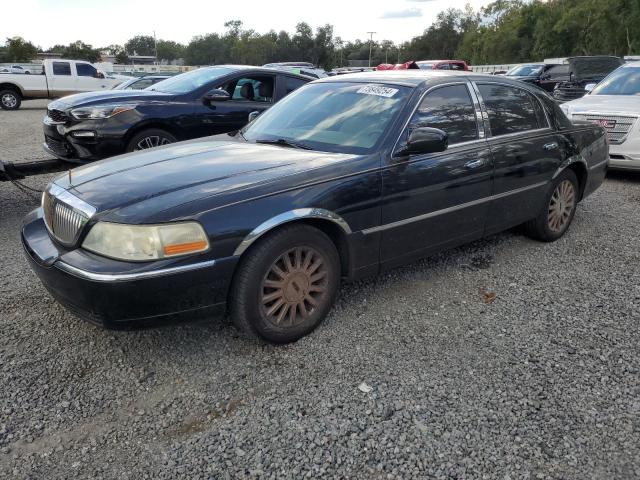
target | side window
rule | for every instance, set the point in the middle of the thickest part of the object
(85, 70)
(511, 110)
(456, 66)
(444, 66)
(141, 84)
(450, 109)
(251, 89)
(61, 68)
(291, 84)
(558, 72)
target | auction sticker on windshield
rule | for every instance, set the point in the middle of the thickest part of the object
(378, 90)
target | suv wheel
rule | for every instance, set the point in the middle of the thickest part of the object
(286, 284)
(153, 137)
(10, 100)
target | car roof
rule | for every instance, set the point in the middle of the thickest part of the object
(259, 69)
(423, 78)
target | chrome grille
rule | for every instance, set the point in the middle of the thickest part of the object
(617, 126)
(64, 214)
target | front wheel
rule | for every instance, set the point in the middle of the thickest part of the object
(10, 100)
(559, 209)
(154, 137)
(286, 284)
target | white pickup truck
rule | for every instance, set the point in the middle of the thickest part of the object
(58, 78)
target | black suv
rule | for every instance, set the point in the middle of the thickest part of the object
(583, 71)
(208, 101)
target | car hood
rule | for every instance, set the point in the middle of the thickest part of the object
(143, 183)
(104, 97)
(613, 104)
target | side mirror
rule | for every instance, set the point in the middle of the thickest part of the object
(426, 140)
(589, 87)
(253, 115)
(217, 95)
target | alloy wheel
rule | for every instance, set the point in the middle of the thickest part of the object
(152, 141)
(9, 100)
(561, 206)
(295, 286)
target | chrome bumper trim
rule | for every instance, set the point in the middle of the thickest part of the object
(127, 277)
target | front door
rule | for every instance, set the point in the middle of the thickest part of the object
(433, 201)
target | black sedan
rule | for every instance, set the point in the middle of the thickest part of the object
(208, 101)
(346, 177)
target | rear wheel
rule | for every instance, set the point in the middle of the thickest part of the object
(154, 137)
(10, 99)
(559, 209)
(286, 284)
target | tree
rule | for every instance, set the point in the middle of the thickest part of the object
(141, 45)
(169, 50)
(81, 51)
(19, 50)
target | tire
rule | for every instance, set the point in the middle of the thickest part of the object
(10, 99)
(153, 137)
(307, 283)
(560, 204)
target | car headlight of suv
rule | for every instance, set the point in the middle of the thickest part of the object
(100, 111)
(146, 242)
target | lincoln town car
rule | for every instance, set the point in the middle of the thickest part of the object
(344, 178)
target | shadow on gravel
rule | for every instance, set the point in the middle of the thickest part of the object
(624, 176)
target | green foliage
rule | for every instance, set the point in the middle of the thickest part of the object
(141, 45)
(17, 49)
(505, 31)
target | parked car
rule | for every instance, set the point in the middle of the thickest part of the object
(344, 178)
(302, 68)
(141, 83)
(15, 69)
(583, 71)
(443, 65)
(614, 104)
(398, 66)
(207, 101)
(59, 78)
(544, 75)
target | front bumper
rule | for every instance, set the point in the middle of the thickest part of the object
(112, 293)
(60, 142)
(625, 156)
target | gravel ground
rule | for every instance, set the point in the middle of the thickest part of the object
(506, 358)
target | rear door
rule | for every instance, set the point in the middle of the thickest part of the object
(62, 80)
(431, 201)
(526, 153)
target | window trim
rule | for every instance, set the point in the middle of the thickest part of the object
(486, 112)
(476, 106)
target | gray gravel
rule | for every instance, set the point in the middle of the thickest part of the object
(541, 382)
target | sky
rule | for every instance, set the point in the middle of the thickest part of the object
(105, 22)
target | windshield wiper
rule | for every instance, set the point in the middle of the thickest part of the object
(285, 143)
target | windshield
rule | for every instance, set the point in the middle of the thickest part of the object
(623, 81)
(525, 70)
(189, 81)
(337, 117)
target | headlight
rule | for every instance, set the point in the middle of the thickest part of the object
(146, 242)
(99, 111)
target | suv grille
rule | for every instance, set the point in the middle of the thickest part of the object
(64, 214)
(617, 127)
(57, 115)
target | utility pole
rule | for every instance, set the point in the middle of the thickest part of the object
(370, 45)
(155, 42)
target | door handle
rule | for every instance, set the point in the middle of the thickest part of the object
(550, 146)
(474, 163)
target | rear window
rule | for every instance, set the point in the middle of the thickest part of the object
(61, 68)
(510, 109)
